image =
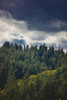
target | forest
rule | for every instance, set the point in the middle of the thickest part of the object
(32, 73)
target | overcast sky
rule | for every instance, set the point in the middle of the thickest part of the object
(34, 22)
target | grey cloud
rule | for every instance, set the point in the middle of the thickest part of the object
(38, 13)
(18, 31)
(52, 26)
(63, 44)
(22, 42)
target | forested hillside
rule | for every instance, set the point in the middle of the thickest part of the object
(32, 73)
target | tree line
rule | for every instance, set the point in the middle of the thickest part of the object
(32, 73)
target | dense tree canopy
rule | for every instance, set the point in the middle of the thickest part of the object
(32, 73)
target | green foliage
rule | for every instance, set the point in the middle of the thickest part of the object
(32, 73)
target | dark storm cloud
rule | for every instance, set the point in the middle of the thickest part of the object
(34, 22)
(37, 13)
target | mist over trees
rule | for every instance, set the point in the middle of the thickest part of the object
(31, 73)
